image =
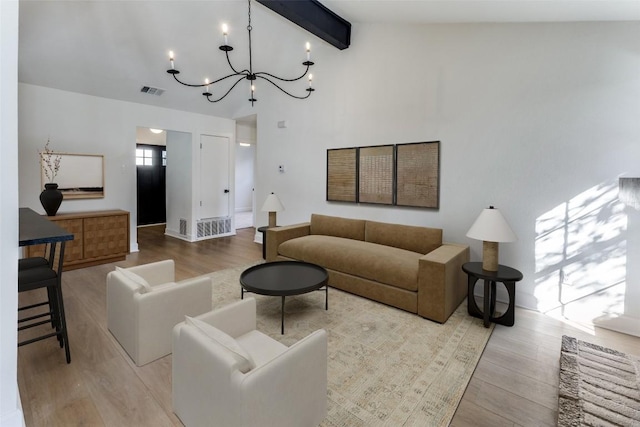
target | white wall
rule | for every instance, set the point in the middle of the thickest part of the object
(10, 408)
(179, 181)
(85, 124)
(532, 118)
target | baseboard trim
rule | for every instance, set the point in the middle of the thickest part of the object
(620, 323)
(177, 235)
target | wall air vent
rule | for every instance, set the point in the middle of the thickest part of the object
(183, 227)
(152, 90)
(211, 227)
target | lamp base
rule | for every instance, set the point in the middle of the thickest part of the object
(490, 256)
(272, 219)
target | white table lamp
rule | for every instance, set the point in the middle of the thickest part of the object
(491, 228)
(272, 205)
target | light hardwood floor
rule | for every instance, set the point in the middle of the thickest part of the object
(515, 383)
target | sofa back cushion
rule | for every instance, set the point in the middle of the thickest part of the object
(337, 227)
(411, 238)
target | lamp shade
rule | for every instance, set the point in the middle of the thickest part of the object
(272, 204)
(491, 227)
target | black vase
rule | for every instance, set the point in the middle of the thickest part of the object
(51, 198)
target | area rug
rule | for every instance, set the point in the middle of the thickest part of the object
(386, 367)
(598, 386)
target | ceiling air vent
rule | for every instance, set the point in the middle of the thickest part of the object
(152, 90)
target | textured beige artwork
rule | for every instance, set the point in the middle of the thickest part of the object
(341, 174)
(376, 175)
(418, 176)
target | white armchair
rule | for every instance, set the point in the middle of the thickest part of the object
(144, 303)
(281, 386)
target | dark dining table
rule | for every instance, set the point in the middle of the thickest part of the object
(35, 229)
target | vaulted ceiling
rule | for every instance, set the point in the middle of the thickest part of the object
(114, 48)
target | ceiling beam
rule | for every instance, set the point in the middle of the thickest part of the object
(315, 18)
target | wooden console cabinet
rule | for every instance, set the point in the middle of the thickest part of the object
(99, 237)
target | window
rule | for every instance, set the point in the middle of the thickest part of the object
(144, 157)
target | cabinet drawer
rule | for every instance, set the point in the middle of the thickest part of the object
(106, 236)
(73, 248)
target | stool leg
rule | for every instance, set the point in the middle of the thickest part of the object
(63, 320)
(63, 323)
(54, 310)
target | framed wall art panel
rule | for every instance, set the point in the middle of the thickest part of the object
(342, 176)
(418, 174)
(80, 176)
(376, 175)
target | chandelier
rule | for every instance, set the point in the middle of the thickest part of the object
(245, 74)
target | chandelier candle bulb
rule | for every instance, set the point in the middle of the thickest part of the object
(310, 79)
(171, 59)
(225, 30)
(308, 51)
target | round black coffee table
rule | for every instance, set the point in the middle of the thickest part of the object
(285, 278)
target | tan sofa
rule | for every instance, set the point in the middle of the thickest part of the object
(404, 266)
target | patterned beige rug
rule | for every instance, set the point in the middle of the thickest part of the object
(598, 386)
(386, 367)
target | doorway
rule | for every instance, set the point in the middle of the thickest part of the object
(151, 162)
(246, 147)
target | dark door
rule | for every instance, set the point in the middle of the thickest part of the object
(151, 162)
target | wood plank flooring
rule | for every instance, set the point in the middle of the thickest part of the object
(515, 383)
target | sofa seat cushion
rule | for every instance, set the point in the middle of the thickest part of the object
(384, 264)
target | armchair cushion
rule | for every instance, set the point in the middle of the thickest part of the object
(261, 347)
(143, 285)
(244, 359)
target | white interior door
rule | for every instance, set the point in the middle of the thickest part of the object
(214, 176)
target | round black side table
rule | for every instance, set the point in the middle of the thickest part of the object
(507, 275)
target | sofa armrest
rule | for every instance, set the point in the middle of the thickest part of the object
(277, 235)
(300, 377)
(442, 284)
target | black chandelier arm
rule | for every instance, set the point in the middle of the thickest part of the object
(243, 74)
(280, 78)
(245, 71)
(291, 95)
(227, 93)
